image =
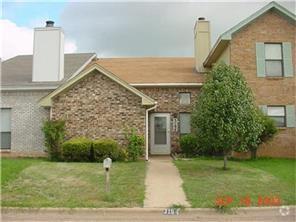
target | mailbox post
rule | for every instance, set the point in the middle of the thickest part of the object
(107, 165)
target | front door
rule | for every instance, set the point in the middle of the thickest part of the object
(160, 141)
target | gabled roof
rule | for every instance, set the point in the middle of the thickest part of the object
(147, 70)
(17, 71)
(223, 40)
(47, 100)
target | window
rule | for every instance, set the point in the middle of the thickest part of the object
(184, 98)
(278, 114)
(185, 119)
(5, 128)
(273, 60)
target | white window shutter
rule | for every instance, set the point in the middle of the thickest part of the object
(291, 116)
(260, 59)
(263, 108)
(287, 59)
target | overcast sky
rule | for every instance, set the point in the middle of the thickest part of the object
(122, 29)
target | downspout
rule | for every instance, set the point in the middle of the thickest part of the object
(147, 130)
(50, 113)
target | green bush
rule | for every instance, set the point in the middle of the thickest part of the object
(77, 149)
(135, 146)
(104, 148)
(54, 133)
(269, 131)
(189, 145)
(122, 155)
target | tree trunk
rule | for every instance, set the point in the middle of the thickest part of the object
(225, 161)
(253, 154)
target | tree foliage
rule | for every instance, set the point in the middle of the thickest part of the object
(225, 117)
(268, 132)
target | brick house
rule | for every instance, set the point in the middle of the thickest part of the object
(103, 97)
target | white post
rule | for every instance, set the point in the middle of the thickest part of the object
(107, 165)
(147, 131)
(107, 185)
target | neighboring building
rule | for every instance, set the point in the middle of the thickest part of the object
(104, 97)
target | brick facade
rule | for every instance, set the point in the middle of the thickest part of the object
(106, 111)
(270, 27)
(168, 102)
(26, 121)
(98, 107)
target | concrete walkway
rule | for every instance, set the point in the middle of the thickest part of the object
(163, 184)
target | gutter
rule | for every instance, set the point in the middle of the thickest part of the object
(166, 84)
(147, 131)
(11, 88)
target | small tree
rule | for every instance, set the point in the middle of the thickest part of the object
(269, 130)
(135, 144)
(54, 133)
(225, 117)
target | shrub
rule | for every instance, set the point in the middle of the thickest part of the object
(54, 133)
(269, 130)
(77, 149)
(106, 148)
(122, 155)
(135, 145)
(189, 145)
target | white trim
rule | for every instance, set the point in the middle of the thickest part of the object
(28, 88)
(164, 84)
(83, 66)
(47, 100)
(147, 131)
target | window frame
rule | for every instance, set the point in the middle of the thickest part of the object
(180, 93)
(181, 134)
(285, 114)
(6, 149)
(280, 60)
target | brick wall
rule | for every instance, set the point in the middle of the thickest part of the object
(26, 121)
(98, 107)
(168, 102)
(268, 91)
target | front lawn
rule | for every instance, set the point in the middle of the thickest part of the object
(40, 183)
(259, 181)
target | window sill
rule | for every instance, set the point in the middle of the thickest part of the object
(274, 77)
(5, 150)
(282, 128)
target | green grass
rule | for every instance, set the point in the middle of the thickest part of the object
(205, 181)
(51, 184)
(10, 168)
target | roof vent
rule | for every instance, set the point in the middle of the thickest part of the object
(49, 23)
(201, 18)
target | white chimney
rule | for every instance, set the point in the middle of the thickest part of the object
(202, 42)
(48, 53)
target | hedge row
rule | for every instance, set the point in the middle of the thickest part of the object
(84, 150)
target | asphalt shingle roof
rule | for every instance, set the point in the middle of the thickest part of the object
(17, 71)
(153, 70)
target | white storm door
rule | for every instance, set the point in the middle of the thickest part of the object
(160, 139)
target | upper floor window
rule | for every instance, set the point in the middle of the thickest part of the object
(184, 98)
(278, 114)
(273, 59)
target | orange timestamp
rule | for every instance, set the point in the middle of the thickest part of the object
(246, 201)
